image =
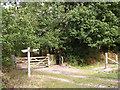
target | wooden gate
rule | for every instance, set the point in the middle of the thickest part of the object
(42, 60)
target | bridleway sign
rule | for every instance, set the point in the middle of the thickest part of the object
(28, 50)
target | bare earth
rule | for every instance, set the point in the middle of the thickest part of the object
(68, 71)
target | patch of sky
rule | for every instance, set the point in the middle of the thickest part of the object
(50, 11)
(50, 7)
(66, 23)
(11, 4)
(42, 4)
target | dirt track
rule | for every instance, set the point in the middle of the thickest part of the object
(65, 70)
(68, 71)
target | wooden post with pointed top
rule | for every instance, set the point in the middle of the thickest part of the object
(28, 61)
(13, 61)
(28, 51)
(117, 58)
(62, 59)
(48, 55)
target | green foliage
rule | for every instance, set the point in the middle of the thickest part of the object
(18, 31)
(75, 61)
(82, 57)
(72, 28)
(87, 28)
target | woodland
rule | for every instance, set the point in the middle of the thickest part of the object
(79, 31)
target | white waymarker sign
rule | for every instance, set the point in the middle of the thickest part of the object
(28, 50)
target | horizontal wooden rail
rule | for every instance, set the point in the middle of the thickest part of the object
(20, 61)
(24, 59)
(32, 61)
(107, 58)
(112, 60)
(39, 60)
(31, 57)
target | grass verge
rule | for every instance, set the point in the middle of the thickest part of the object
(79, 80)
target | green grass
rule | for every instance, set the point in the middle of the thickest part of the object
(14, 78)
(80, 80)
(51, 83)
(88, 71)
(105, 75)
(98, 64)
(19, 79)
(115, 66)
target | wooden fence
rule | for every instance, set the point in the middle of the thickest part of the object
(44, 60)
(108, 58)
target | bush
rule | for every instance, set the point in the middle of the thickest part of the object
(6, 64)
(6, 59)
(86, 57)
(75, 60)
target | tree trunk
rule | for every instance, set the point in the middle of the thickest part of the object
(40, 52)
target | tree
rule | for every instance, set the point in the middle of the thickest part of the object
(18, 30)
(66, 27)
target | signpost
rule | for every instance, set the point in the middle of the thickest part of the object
(28, 50)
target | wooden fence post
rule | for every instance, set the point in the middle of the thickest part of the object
(48, 55)
(13, 61)
(62, 59)
(117, 58)
(106, 59)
